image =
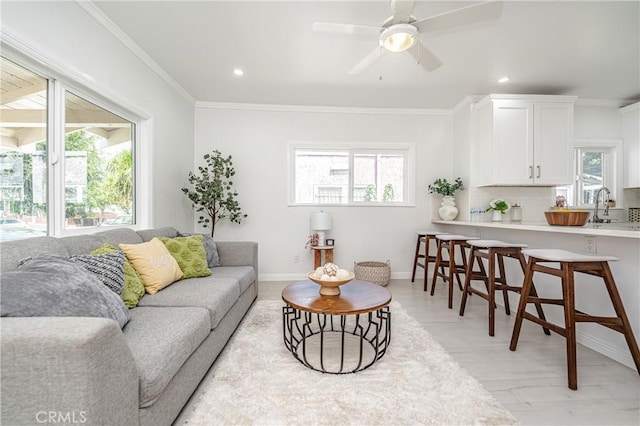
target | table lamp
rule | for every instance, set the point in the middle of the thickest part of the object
(320, 222)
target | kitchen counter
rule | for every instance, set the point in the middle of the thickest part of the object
(623, 230)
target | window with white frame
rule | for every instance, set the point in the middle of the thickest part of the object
(352, 174)
(67, 162)
(596, 166)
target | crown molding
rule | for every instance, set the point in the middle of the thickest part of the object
(615, 103)
(322, 109)
(99, 16)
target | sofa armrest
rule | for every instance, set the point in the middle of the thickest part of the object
(66, 370)
(238, 253)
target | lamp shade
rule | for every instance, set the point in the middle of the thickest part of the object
(320, 221)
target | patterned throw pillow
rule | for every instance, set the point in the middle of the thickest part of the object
(133, 288)
(109, 268)
(153, 262)
(190, 254)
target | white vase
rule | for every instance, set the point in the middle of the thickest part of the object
(497, 216)
(448, 209)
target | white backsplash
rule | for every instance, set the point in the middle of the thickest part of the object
(534, 201)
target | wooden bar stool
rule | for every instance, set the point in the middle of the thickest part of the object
(424, 237)
(495, 252)
(569, 264)
(449, 243)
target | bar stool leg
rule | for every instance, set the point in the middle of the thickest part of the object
(415, 259)
(570, 323)
(503, 280)
(427, 243)
(438, 264)
(492, 292)
(467, 280)
(526, 290)
(614, 295)
(532, 291)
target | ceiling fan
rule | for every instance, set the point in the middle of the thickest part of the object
(401, 31)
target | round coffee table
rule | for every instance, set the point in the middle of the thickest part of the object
(337, 334)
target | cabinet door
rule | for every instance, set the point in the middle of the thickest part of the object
(512, 149)
(631, 135)
(553, 146)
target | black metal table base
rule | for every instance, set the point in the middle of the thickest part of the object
(336, 344)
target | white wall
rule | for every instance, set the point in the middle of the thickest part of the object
(258, 139)
(66, 36)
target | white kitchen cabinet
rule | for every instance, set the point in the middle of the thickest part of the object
(631, 143)
(524, 140)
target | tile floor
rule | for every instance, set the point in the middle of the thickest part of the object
(530, 382)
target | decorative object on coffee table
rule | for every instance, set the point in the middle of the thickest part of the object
(330, 277)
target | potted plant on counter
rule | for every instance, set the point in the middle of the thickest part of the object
(499, 207)
(448, 209)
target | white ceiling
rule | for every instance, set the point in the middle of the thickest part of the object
(586, 48)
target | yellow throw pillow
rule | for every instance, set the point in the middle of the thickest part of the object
(153, 262)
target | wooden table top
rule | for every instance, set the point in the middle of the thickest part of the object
(356, 297)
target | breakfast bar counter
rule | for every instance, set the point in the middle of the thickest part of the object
(623, 230)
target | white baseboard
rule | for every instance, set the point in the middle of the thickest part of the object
(302, 276)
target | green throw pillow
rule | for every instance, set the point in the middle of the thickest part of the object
(133, 288)
(190, 254)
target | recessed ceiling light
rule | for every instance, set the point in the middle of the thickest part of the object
(503, 80)
(238, 72)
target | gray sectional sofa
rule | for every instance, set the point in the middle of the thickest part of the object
(87, 370)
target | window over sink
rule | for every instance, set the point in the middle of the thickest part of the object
(596, 164)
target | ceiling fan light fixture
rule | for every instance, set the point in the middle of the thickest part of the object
(399, 37)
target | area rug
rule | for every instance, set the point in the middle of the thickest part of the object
(256, 381)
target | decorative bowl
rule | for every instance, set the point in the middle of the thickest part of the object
(566, 217)
(330, 288)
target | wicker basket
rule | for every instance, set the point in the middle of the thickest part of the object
(374, 272)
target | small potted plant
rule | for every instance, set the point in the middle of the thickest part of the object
(499, 207)
(448, 209)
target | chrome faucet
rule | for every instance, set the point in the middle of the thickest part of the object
(605, 201)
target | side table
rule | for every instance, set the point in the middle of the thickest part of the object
(317, 255)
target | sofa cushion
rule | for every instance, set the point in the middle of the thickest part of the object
(190, 255)
(245, 275)
(217, 295)
(120, 235)
(108, 267)
(153, 263)
(52, 286)
(150, 234)
(133, 289)
(82, 244)
(13, 252)
(161, 340)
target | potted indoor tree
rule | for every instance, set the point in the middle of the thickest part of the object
(212, 191)
(448, 209)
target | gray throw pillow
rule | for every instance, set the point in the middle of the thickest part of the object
(109, 268)
(52, 286)
(210, 247)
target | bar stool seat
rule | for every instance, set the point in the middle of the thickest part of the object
(494, 251)
(570, 263)
(449, 242)
(424, 237)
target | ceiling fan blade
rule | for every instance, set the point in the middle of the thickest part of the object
(464, 16)
(402, 10)
(425, 57)
(367, 61)
(332, 27)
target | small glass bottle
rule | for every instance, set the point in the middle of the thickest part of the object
(516, 213)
